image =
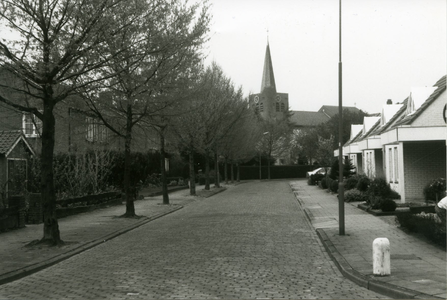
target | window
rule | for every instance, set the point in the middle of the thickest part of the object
(96, 131)
(396, 170)
(283, 107)
(277, 106)
(390, 165)
(31, 125)
(261, 107)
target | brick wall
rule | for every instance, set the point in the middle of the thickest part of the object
(432, 115)
(423, 161)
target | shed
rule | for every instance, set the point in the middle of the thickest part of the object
(15, 153)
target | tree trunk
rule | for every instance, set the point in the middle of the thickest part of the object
(217, 179)
(130, 191)
(164, 183)
(268, 166)
(51, 233)
(207, 171)
(232, 173)
(226, 171)
(238, 178)
(192, 177)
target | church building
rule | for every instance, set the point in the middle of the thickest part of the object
(270, 103)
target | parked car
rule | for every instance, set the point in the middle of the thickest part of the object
(320, 171)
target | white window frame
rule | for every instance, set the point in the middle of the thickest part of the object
(31, 120)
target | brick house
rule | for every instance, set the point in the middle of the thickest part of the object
(77, 130)
(406, 144)
(15, 153)
(414, 146)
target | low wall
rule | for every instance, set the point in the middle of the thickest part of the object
(14, 215)
(276, 172)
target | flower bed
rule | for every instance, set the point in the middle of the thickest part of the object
(427, 225)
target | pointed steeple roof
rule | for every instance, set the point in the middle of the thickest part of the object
(268, 79)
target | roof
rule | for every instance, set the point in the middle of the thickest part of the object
(8, 140)
(332, 110)
(308, 118)
(441, 86)
(268, 78)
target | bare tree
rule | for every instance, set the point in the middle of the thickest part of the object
(51, 56)
(164, 44)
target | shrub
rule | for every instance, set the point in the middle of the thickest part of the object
(388, 205)
(354, 195)
(328, 183)
(428, 225)
(379, 188)
(323, 183)
(435, 189)
(363, 183)
(314, 179)
(334, 186)
(394, 195)
(374, 201)
(351, 183)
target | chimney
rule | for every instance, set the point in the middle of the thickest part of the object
(389, 102)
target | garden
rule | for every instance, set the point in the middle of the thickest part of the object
(378, 198)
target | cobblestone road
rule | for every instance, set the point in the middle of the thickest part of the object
(249, 242)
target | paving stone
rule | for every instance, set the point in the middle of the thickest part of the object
(252, 241)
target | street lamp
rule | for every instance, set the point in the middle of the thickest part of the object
(341, 200)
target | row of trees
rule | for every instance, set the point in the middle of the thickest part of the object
(127, 60)
(316, 145)
(137, 66)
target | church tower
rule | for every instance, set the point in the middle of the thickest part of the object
(269, 103)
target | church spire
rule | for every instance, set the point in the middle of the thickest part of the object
(268, 79)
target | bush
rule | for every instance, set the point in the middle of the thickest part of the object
(374, 202)
(324, 182)
(428, 225)
(379, 188)
(394, 195)
(351, 183)
(362, 183)
(388, 205)
(315, 179)
(334, 186)
(435, 189)
(354, 195)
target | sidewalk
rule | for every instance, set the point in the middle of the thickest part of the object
(418, 269)
(80, 232)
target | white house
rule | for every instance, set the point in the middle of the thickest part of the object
(406, 144)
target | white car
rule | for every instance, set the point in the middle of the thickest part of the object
(321, 171)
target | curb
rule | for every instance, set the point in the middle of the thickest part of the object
(169, 191)
(25, 271)
(386, 289)
(380, 287)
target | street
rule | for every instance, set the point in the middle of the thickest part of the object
(251, 241)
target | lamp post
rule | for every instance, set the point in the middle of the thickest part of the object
(341, 200)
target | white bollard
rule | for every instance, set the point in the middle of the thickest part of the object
(381, 257)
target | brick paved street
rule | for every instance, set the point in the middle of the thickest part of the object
(250, 242)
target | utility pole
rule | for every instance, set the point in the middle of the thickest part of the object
(341, 197)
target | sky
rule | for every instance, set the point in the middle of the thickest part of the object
(388, 47)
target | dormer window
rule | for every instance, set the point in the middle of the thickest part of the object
(31, 125)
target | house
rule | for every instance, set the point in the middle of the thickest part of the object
(77, 130)
(406, 143)
(15, 153)
(414, 145)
